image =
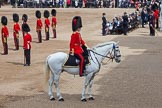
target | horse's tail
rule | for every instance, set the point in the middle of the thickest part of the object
(47, 71)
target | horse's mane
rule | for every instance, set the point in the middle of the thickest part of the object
(103, 44)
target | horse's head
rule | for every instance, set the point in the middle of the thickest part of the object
(116, 53)
(107, 50)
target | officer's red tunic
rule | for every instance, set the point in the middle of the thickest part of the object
(76, 43)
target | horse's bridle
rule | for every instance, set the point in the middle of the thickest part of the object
(109, 53)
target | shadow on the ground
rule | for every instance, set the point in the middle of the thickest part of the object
(16, 63)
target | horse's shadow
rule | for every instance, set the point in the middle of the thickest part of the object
(15, 63)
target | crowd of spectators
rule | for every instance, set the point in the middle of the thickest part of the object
(122, 24)
(78, 3)
(149, 14)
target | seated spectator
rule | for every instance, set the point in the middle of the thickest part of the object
(120, 26)
(114, 23)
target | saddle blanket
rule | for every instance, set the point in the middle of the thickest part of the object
(73, 61)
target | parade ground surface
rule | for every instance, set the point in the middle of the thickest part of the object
(133, 83)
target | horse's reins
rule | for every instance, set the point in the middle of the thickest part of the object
(111, 57)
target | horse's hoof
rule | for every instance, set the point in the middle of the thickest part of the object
(52, 99)
(91, 98)
(61, 99)
(84, 100)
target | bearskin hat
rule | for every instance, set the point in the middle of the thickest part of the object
(38, 14)
(76, 23)
(46, 13)
(25, 17)
(53, 12)
(25, 28)
(15, 17)
(4, 20)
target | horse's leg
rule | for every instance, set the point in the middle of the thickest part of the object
(86, 83)
(56, 83)
(50, 88)
(90, 90)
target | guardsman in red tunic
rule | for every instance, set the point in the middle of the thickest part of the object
(5, 34)
(156, 15)
(27, 46)
(47, 23)
(16, 29)
(137, 5)
(39, 25)
(24, 19)
(54, 22)
(76, 42)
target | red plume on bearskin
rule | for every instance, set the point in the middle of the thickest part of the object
(38, 14)
(76, 23)
(25, 17)
(15, 17)
(53, 12)
(4, 20)
(46, 13)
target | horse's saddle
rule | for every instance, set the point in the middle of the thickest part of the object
(73, 61)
